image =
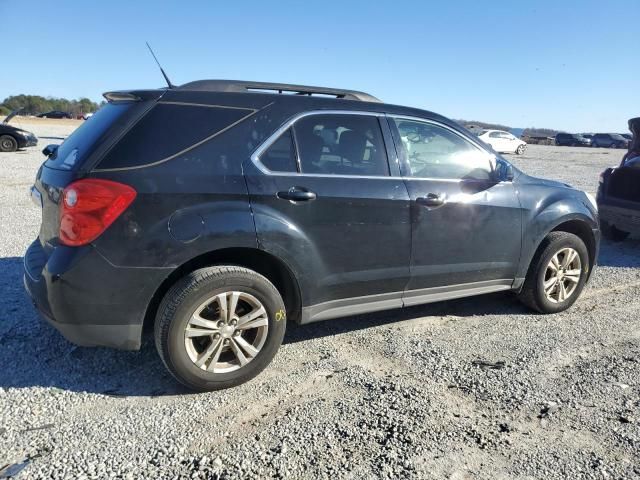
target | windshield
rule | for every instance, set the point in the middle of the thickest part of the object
(84, 138)
(617, 137)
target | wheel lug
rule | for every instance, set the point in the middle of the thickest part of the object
(234, 322)
(220, 324)
(217, 335)
(226, 341)
(237, 333)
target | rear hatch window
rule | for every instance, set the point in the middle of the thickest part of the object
(86, 138)
(170, 129)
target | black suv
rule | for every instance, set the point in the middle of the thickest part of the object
(219, 210)
(572, 140)
(609, 140)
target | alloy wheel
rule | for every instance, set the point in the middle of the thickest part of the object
(562, 275)
(226, 332)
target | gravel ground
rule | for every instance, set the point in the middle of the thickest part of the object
(468, 389)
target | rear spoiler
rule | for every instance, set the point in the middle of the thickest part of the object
(122, 96)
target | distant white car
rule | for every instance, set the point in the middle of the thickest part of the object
(503, 142)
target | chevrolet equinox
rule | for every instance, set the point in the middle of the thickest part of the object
(218, 211)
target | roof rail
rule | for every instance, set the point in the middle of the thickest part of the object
(266, 87)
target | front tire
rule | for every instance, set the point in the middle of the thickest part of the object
(219, 327)
(557, 273)
(520, 150)
(8, 144)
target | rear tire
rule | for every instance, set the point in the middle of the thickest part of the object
(610, 232)
(8, 144)
(206, 332)
(542, 290)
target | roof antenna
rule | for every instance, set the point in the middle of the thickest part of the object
(171, 85)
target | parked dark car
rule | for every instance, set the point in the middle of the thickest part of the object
(219, 210)
(572, 140)
(609, 140)
(55, 114)
(12, 138)
(618, 193)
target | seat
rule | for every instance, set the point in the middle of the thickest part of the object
(352, 147)
(311, 146)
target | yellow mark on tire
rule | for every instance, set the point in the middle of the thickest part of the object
(280, 315)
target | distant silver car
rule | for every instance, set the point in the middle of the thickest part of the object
(503, 142)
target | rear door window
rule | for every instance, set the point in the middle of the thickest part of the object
(341, 144)
(168, 130)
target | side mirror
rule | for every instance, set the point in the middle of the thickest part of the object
(50, 149)
(508, 173)
(504, 172)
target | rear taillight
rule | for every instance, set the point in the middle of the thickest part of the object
(89, 206)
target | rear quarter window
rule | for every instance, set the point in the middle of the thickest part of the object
(168, 130)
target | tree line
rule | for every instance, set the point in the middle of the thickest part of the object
(35, 104)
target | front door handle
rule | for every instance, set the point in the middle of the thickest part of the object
(431, 200)
(297, 194)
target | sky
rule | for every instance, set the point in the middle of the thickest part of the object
(569, 65)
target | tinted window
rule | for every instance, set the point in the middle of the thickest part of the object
(494, 134)
(281, 155)
(82, 140)
(167, 130)
(341, 145)
(432, 151)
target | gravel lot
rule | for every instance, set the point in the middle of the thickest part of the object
(468, 389)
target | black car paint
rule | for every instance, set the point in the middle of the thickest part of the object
(361, 245)
(23, 138)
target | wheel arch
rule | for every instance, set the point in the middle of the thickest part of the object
(579, 222)
(271, 267)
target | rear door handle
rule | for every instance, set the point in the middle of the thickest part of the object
(297, 194)
(431, 200)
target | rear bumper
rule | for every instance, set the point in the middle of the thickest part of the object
(87, 299)
(626, 219)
